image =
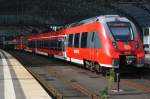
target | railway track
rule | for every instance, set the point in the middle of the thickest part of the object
(79, 91)
(53, 75)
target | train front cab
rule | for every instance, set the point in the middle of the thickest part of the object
(111, 42)
(121, 43)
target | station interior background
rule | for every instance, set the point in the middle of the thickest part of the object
(25, 17)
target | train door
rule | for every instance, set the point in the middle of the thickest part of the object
(69, 48)
(76, 50)
(35, 46)
(64, 45)
(90, 46)
(92, 54)
(94, 45)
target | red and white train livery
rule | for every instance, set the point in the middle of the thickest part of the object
(103, 41)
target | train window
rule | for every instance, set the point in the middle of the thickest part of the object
(93, 40)
(56, 45)
(76, 40)
(84, 40)
(60, 45)
(33, 44)
(121, 31)
(37, 43)
(29, 44)
(49, 44)
(146, 45)
(41, 43)
(93, 36)
(45, 43)
(97, 42)
(70, 40)
(146, 31)
(52, 45)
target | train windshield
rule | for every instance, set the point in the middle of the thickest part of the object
(121, 31)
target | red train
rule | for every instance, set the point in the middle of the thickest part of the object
(100, 42)
(20, 42)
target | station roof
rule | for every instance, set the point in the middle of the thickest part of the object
(27, 16)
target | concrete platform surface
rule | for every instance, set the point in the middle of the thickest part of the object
(16, 82)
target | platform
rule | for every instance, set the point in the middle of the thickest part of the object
(16, 82)
(73, 82)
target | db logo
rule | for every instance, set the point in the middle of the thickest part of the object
(76, 51)
(128, 47)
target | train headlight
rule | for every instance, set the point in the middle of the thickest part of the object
(115, 44)
(136, 45)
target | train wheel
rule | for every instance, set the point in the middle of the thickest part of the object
(50, 56)
(102, 70)
(33, 52)
(92, 66)
(98, 68)
(84, 64)
(87, 64)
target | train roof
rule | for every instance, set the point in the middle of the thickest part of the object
(97, 18)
